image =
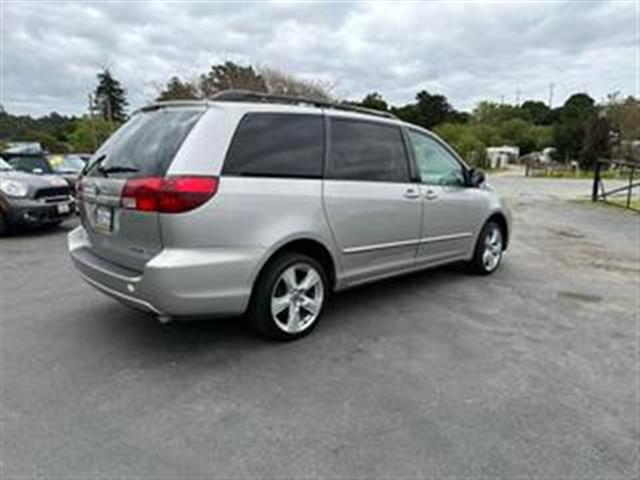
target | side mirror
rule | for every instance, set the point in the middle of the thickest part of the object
(37, 171)
(476, 177)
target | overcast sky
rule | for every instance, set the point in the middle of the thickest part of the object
(469, 51)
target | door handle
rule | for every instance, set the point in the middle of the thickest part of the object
(430, 195)
(412, 193)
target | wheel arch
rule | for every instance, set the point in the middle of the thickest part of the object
(501, 220)
(310, 246)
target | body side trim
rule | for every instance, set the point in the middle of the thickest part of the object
(406, 243)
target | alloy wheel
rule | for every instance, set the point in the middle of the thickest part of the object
(296, 298)
(492, 249)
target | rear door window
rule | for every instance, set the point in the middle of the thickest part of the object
(362, 150)
(147, 143)
(277, 145)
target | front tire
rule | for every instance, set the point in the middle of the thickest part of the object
(489, 249)
(4, 227)
(289, 297)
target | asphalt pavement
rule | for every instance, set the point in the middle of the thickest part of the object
(530, 372)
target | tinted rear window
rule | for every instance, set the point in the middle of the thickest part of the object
(362, 150)
(148, 142)
(277, 145)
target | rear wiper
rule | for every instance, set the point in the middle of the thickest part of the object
(116, 169)
(93, 164)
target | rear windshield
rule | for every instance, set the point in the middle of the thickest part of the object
(146, 144)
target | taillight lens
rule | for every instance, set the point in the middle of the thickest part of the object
(167, 194)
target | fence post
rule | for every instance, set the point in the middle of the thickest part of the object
(596, 181)
(630, 186)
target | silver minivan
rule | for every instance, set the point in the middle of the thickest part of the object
(265, 205)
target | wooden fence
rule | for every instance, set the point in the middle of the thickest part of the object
(599, 193)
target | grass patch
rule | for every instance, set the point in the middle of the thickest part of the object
(583, 174)
(613, 203)
(622, 201)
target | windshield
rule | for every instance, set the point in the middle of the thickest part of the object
(146, 144)
(4, 166)
(70, 163)
(30, 163)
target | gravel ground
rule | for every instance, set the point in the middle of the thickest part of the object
(531, 372)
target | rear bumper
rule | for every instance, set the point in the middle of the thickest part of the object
(33, 212)
(206, 282)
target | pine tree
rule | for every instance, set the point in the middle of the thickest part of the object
(110, 99)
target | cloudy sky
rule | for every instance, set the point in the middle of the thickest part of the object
(470, 51)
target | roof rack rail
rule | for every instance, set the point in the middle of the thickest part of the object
(251, 96)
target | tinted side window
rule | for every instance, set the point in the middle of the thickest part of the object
(363, 150)
(436, 165)
(277, 145)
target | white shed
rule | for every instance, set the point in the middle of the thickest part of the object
(500, 156)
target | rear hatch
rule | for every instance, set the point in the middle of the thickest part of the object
(136, 156)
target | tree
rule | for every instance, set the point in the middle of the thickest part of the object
(47, 141)
(491, 113)
(596, 142)
(570, 129)
(228, 76)
(110, 98)
(279, 82)
(578, 106)
(374, 101)
(434, 109)
(536, 112)
(624, 116)
(52, 129)
(89, 133)
(176, 89)
(463, 138)
(409, 113)
(428, 111)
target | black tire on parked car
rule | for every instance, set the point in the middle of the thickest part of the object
(488, 250)
(4, 228)
(289, 297)
(56, 224)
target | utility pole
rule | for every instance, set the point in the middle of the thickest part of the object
(517, 97)
(501, 99)
(551, 86)
(93, 125)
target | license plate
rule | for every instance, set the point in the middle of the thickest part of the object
(104, 219)
(63, 208)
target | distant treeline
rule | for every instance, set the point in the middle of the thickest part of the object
(579, 129)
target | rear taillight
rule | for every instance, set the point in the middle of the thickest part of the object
(167, 195)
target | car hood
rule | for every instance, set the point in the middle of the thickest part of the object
(34, 181)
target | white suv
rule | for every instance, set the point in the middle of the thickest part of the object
(265, 205)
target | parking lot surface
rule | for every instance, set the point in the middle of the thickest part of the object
(532, 371)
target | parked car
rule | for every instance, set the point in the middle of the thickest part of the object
(32, 200)
(266, 205)
(69, 167)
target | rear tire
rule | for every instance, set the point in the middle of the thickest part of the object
(289, 297)
(488, 251)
